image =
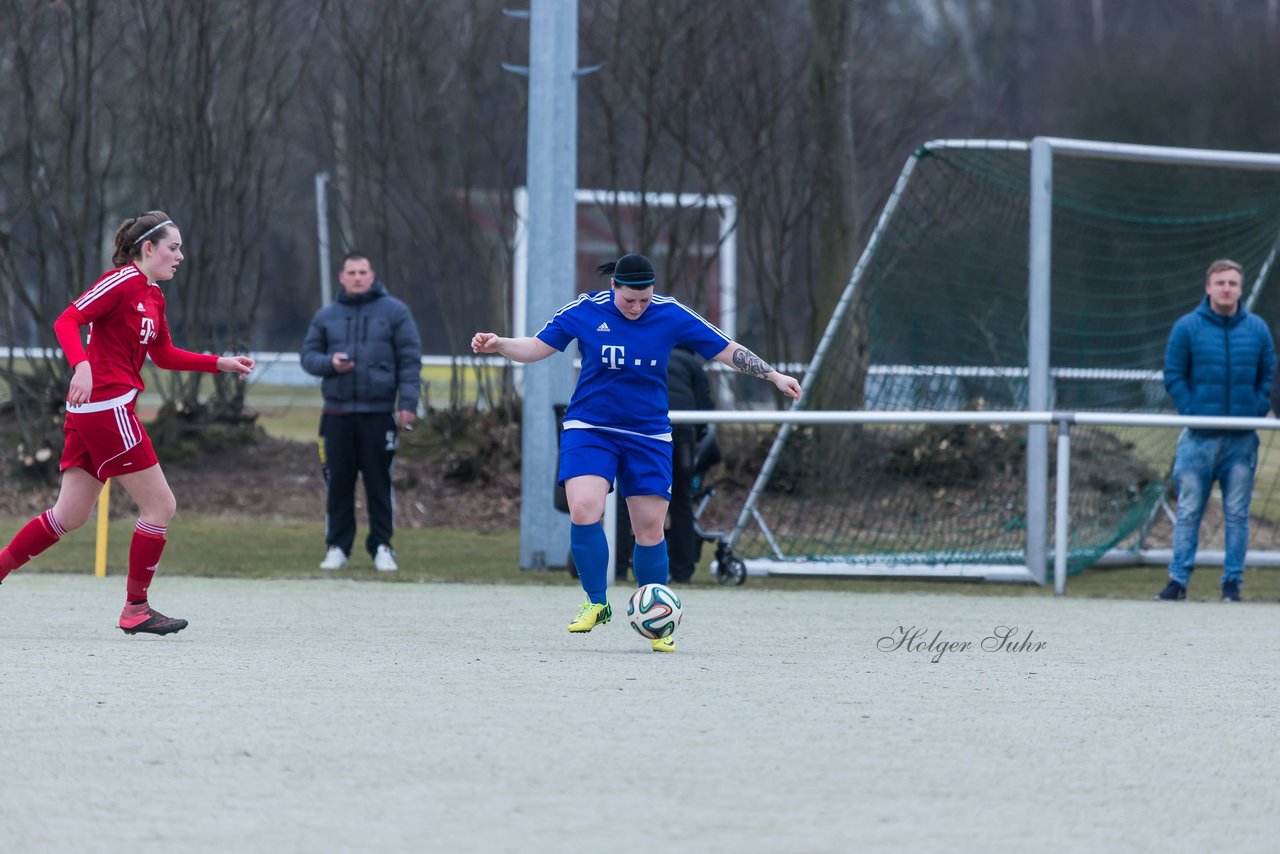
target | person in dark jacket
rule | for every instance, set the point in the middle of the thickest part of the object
(365, 346)
(1219, 361)
(687, 388)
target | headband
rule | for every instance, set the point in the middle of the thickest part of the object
(151, 230)
(639, 278)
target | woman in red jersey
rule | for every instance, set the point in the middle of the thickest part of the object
(124, 311)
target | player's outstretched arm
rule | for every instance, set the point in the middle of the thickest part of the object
(524, 350)
(241, 365)
(744, 361)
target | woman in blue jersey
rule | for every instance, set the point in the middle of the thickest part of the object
(616, 425)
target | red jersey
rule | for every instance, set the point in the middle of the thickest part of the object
(125, 316)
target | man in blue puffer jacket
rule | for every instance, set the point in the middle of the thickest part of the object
(365, 346)
(1219, 361)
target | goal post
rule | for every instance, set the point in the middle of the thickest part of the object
(1022, 275)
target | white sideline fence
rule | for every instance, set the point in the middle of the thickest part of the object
(284, 368)
(1062, 519)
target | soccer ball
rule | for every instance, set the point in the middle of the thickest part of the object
(654, 611)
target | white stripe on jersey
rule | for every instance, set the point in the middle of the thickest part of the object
(102, 405)
(105, 285)
(562, 310)
(583, 425)
(663, 300)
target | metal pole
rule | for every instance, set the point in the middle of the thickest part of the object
(552, 179)
(1038, 283)
(322, 237)
(1062, 510)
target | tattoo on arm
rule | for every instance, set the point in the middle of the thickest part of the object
(749, 363)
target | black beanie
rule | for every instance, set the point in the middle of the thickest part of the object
(634, 270)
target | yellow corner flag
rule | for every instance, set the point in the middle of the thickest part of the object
(104, 506)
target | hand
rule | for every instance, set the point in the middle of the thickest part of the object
(81, 384)
(342, 363)
(486, 342)
(789, 386)
(406, 419)
(241, 365)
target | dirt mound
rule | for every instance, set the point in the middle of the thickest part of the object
(256, 475)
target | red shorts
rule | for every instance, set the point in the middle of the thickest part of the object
(106, 439)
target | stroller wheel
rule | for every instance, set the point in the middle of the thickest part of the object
(733, 571)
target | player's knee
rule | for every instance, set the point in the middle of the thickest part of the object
(71, 518)
(585, 513)
(159, 511)
(649, 535)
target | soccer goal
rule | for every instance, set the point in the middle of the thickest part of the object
(1013, 275)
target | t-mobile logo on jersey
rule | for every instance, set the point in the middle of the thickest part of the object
(147, 332)
(614, 356)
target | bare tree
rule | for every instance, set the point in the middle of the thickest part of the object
(211, 157)
(427, 150)
(835, 175)
(56, 153)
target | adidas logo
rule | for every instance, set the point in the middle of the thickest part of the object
(604, 327)
(141, 307)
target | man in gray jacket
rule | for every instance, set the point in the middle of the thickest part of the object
(365, 346)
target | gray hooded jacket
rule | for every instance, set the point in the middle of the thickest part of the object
(379, 334)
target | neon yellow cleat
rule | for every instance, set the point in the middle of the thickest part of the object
(591, 615)
(667, 644)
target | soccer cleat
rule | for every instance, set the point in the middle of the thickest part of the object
(142, 618)
(383, 561)
(1231, 591)
(335, 559)
(591, 615)
(667, 644)
(1172, 592)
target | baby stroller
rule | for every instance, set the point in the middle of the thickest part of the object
(726, 567)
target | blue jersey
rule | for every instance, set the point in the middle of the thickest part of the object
(623, 383)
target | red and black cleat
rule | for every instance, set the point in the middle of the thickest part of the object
(143, 618)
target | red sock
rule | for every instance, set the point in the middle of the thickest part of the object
(36, 536)
(144, 556)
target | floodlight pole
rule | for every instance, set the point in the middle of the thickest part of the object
(552, 178)
(322, 237)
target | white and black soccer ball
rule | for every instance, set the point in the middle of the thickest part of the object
(654, 611)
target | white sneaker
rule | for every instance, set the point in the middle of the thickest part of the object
(383, 561)
(335, 559)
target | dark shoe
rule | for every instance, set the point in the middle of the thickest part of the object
(1172, 592)
(1231, 591)
(142, 618)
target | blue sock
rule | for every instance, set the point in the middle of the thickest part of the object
(591, 557)
(650, 564)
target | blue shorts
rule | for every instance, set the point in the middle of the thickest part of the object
(642, 466)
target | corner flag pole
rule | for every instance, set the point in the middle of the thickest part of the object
(100, 555)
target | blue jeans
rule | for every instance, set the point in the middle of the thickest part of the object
(1231, 460)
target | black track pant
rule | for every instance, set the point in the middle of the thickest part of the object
(684, 546)
(363, 444)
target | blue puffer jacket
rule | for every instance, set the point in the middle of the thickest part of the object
(1217, 365)
(378, 332)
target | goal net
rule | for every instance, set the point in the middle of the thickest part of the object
(938, 316)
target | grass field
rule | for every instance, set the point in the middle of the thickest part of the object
(244, 548)
(248, 548)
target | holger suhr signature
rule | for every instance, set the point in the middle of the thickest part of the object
(918, 639)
